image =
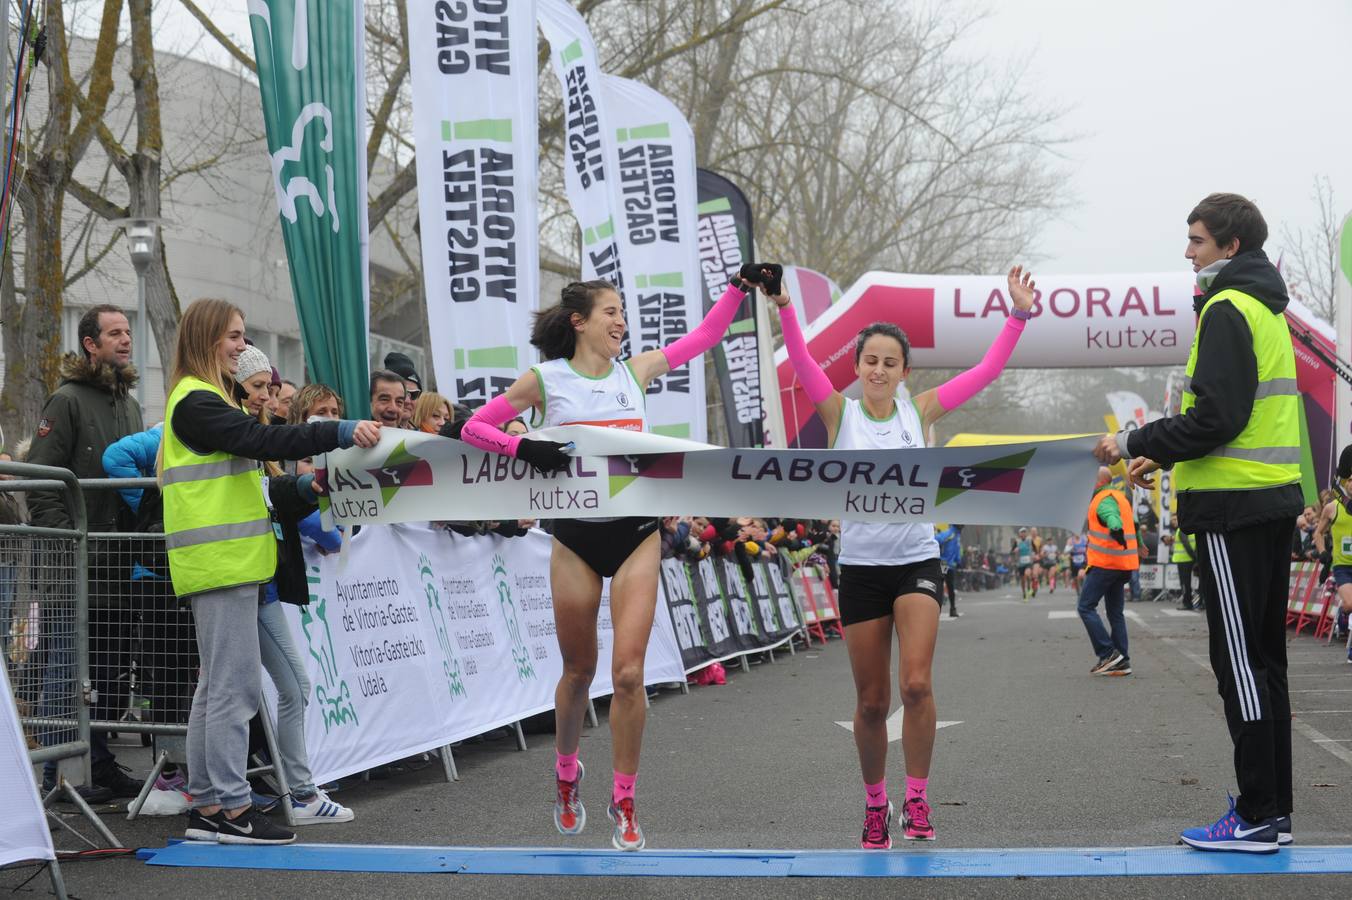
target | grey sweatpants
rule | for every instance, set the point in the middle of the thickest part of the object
(228, 693)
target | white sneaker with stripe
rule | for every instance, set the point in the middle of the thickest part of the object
(320, 810)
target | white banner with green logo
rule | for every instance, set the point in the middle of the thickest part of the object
(422, 637)
(410, 477)
(589, 154)
(655, 195)
(473, 70)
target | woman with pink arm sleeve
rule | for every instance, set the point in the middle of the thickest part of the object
(582, 381)
(889, 572)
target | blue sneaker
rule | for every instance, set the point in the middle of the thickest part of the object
(1232, 832)
(1283, 826)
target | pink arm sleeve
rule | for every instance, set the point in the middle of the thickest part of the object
(961, 388)
(707, 333)
(484, 429)
(813, 379)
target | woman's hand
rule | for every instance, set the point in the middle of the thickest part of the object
(1022, 288)
(367, 435)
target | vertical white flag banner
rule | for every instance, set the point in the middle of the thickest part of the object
(589, 152)
(1129, 408)
(1342, 293)
(654, 194)
(23, 828)
(473, 67)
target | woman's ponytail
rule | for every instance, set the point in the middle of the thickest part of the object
(553, 333)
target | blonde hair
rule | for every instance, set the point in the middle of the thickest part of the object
(203, 325)
(426, 405)
(305, 400)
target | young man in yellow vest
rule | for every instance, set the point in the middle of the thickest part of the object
(1236, 450)
(1112, 556)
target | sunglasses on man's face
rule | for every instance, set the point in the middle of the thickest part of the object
(414, 395)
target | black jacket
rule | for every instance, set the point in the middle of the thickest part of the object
(206, 423)
(91, 409)
(1224, 380)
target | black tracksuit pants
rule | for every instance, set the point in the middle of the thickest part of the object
(1245, 577)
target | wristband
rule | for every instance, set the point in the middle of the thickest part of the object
(1024, 314)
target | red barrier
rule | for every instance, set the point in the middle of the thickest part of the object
(823, 614)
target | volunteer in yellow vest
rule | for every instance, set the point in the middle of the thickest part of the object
(1112, 556)
(218, 530)
(1237, 451)
(1335, 521)
(1183, 554)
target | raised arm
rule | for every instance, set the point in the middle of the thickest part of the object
(828, 401)
(655, 363)
(936, 403)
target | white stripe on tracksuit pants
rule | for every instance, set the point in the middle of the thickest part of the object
(1247, 575)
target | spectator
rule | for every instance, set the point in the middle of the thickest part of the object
(92, 408)
(285, 395)
(950, 555)
(388, 395)
(314, 400)
(431, 412)
(401, 365)
(515, 427)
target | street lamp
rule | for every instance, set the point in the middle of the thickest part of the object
(141, 233)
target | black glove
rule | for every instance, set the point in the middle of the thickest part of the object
(1120, 536)
(769, 276)
(544, 456)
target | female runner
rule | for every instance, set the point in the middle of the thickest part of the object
(582, 382)
(890, 573)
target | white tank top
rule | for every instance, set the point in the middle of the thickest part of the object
(883, 543)
(613, 400)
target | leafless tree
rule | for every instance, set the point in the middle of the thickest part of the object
(1310, 254)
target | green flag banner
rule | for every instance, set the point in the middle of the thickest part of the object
(310, 69)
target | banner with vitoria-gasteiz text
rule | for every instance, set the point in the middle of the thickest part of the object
(654, 195)
(413, 477)
(589, 153)
(422, 638)
(473, 70)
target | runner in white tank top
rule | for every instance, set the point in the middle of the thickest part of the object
(890, 575)
(582, 381)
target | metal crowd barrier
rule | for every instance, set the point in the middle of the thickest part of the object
(43, 626)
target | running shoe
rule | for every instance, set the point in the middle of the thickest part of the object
(249, 826)
(915, 820)
(1283, 826)
(628, 833)
(173, 782)
(319, 810)
(1103, 665)
(570, 816)
(1121, 667)
(877, 828)
(201, 828)
(1232, 832)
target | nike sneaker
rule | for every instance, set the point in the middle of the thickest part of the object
(570, 816)
(915, 820)
(1233, 832)
(628, 835)
(877, 828)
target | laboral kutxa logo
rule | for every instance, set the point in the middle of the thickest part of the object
(1002, 476)
(401, 469)
(625, 470)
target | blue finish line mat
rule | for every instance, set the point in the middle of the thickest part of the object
(898, 863)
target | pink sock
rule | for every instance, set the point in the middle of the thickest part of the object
(624, 786)
(915, 787)
(877, 793)
(565, 765)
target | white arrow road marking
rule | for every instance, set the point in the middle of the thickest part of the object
(894, 725)
(1182, 613)
(1063, 614)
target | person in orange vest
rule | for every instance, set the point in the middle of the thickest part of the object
(1112, 556)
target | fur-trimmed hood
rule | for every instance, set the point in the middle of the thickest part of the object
(117, 380)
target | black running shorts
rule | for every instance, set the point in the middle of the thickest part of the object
(604, 545)
(868, 592)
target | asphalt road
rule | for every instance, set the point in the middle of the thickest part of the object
(1043, 755)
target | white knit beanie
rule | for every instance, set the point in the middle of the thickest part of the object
(251, 362)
